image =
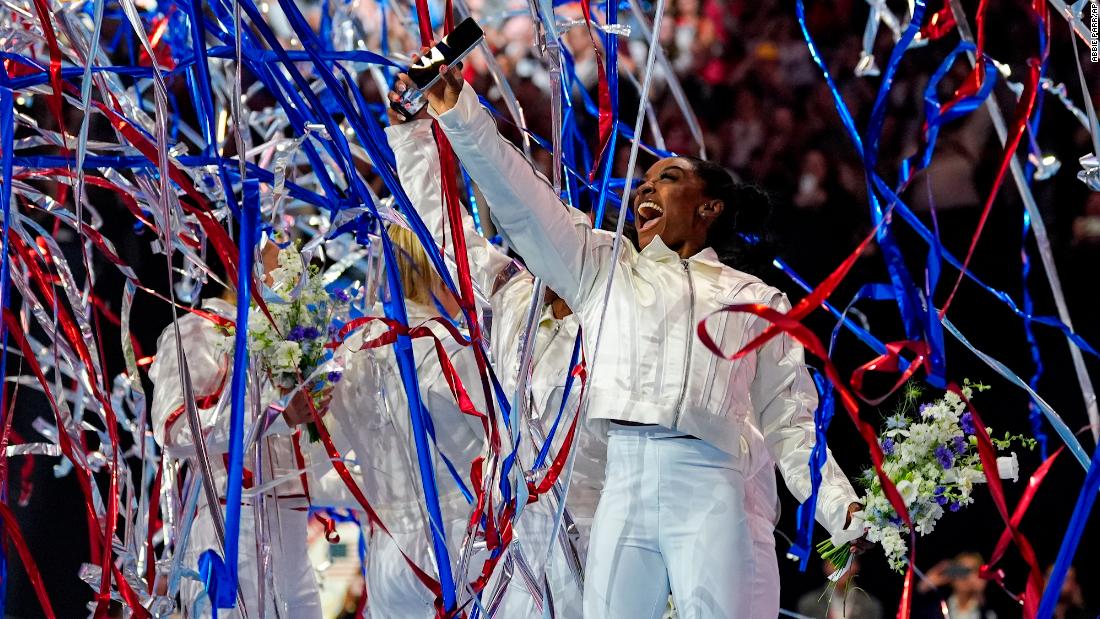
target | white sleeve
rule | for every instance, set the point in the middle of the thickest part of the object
(210, 375)
(557, 242)
(784, 396)
(419, 171)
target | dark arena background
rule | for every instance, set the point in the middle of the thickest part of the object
(110, 175)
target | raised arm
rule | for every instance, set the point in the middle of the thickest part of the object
(784, 396)
(418, 168)
(556, 242)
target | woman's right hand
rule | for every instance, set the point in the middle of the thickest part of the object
(443, 95)
(300, 410)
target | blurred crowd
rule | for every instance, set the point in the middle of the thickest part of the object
(766, 113)
(951, 589)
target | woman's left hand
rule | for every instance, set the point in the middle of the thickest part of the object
(861, 544)
(298, 410)
(394, 96)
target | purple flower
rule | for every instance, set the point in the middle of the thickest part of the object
(967, 423)
(945, 457)
(334, 377)
(340, 295)
(888, 446)
(955, 506)
(959, 445)
(311, 333)
(333, 330)
(924, 407)
(939, 495)
(297, 334)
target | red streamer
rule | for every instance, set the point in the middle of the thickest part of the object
(11, 528)
(1034, 590)
(791, 326)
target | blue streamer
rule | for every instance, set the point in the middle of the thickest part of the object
(1035, 416)
(202, 95)
(349, 516)
(7, 135)
(917, 321)
(802, 547)
(611, 50)
(219, 574)
(569, 380)
(1074, 531)
(475, 213)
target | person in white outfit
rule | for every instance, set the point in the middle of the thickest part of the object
(370, 410)
(509, 289)
(290, 589)
(686, 428)
(418, 167)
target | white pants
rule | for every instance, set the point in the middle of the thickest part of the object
(533, 532)
(393, 590)
(291, 593)
(673, 516)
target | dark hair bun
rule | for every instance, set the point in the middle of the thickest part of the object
(740, 233)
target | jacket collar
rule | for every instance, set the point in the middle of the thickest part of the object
(659, 252)
(547, 319)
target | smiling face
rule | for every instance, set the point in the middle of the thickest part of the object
(671, 202)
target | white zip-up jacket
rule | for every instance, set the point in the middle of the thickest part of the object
(370, 411)
(209, 356)
(508, 289)
(651, 368)
(292, 587)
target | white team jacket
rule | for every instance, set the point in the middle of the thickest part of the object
(508, 289)
(652, 368)
(370, 411)
(209, 354)
(209, 359)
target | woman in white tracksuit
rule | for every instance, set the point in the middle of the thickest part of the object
(370, 410)
(509, 289)
(687, 428)
(292, 589)
(418, 167)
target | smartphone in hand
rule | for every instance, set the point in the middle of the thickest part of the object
(451, 49)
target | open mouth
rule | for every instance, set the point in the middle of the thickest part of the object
(649, 214)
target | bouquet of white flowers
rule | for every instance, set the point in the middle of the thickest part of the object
(932, 458)
(290, 346)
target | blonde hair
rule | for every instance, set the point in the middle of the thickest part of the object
(416, 270)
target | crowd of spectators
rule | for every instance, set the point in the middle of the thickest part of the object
(766, 114)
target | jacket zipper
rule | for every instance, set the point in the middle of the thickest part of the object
(549, 341)
(690, 341)
(537, 357)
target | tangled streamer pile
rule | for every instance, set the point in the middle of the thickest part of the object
(219, 124)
